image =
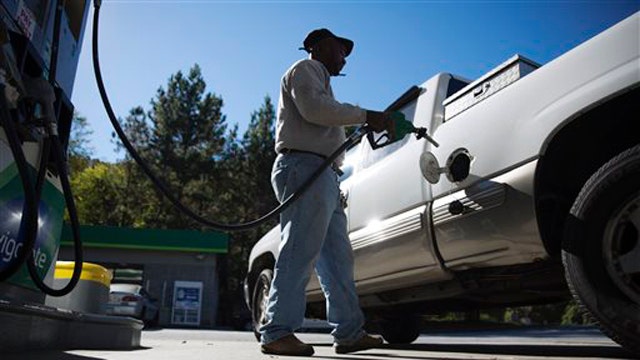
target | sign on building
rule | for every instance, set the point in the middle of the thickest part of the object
(187, 303)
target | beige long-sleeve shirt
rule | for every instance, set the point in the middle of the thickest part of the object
(309, 117)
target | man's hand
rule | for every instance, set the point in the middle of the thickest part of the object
(381, 121)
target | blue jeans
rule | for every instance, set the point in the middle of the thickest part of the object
(313, 234)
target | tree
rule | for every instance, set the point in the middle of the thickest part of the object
(98, 191)
(182, 137)
(251, 168)
(258, 145)
(185, 140)
(78, 149)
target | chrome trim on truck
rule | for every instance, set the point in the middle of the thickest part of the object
(380, 231)
(492, 196)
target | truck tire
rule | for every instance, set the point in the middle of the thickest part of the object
(601, 248)
(259, 300)
(400, 330)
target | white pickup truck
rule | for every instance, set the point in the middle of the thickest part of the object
(539, 197)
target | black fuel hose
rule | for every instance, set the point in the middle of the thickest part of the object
(53, 147)
(351, 140)
(58, 154)
(29, 219)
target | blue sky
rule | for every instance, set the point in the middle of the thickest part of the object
(244, 47)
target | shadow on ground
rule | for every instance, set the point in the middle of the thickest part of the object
(436, 351)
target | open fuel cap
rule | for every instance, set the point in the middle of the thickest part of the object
(430, 168)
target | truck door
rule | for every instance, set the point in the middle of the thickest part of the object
(387, 201)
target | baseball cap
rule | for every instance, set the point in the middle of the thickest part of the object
(317, 35)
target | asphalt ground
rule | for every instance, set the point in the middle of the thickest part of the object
(524, 343)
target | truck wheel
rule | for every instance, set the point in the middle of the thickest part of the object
(400, 330)
(260, 299)
(601, 248)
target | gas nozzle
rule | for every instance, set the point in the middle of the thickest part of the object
(421, 133)
(403, 127)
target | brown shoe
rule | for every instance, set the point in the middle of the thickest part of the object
(364, 343)
(288, 345)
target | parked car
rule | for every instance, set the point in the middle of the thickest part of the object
(133, 300)
(538, 199)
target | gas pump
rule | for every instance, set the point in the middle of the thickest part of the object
(39, 50)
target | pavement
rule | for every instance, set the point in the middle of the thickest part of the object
(521, 344)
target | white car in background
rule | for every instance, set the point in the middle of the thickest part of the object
(134, 301)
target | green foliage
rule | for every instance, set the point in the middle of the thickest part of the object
(79, 137)
(79, 151)
(257, 159)
(562, 313)
(574, 315)
(188, 127)
(182, 138)
(187, 143)
(553, 314)
(98, 195)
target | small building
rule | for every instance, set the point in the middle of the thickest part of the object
(177, 267)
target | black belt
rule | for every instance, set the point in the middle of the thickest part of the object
(334, 167)
(294, 151)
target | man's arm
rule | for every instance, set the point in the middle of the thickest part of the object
(315, 103)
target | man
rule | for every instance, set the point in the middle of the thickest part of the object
(314, 228)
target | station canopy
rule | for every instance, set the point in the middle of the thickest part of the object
(148, 239)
